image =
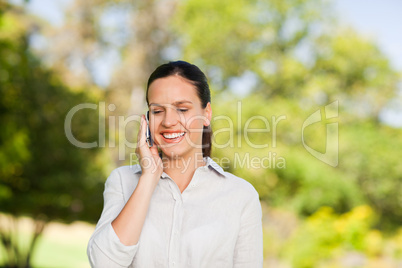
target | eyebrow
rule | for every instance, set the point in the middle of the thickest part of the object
(176, 103)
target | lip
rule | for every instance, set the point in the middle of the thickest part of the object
(175, 140)
(171, 131)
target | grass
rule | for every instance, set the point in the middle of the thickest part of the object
(63, 246)
(60, 246)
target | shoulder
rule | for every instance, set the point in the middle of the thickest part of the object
(128, 170)
(240, 186)
(123, 179)
(244, 195)
(232, 182)
(125, 172)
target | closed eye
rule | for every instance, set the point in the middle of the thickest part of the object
(182, 110)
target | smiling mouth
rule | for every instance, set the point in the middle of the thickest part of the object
(173, 136)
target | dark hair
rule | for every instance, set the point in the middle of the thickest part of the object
(196, 77)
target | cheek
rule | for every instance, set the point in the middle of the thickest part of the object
(195, 120)
(153, 126)
(195, 124)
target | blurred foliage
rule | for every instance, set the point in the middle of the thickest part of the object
(42, 175)
(326, 239)
(368, 170)
(324, 232)
(329, 239)
(271, 64)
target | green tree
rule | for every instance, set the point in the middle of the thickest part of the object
(42, 175)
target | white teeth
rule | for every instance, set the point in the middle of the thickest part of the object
(172, 135)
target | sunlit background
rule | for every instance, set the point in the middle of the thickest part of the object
(321, 81)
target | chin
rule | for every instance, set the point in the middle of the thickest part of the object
(176, 153)
(173, 154)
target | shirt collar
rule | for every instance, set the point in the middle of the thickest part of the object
(212, 164)
(209, 163)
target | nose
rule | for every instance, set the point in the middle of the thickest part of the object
(171, 118)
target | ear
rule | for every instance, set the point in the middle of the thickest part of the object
(208, 114)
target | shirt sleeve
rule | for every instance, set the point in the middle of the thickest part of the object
(249, 246)
(104, 247)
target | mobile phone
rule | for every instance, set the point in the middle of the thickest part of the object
(150, 141)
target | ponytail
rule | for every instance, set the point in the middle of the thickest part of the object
(207, 141)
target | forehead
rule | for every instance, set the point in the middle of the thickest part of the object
(171, 89)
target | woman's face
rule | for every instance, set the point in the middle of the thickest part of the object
(177, 118)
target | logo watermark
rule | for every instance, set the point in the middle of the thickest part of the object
(330, 156)
(236, 133)
(271, 160)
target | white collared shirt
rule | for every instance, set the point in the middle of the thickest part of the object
(215, 222)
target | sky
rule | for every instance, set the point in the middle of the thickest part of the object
(380, 20)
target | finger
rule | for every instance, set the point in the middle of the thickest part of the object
(142, 132)
(154, 149)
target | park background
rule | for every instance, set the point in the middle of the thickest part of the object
(275, 57)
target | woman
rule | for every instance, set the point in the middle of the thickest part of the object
(177, 208)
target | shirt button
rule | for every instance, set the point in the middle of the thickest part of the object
(173, 263)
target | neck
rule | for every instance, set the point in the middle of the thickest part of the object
(181, 169)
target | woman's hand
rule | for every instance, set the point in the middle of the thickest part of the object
(151, 163)
(129, 222)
